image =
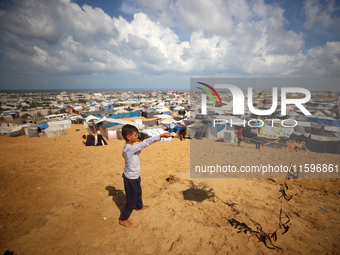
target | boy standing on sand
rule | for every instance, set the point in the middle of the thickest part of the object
(132, 187)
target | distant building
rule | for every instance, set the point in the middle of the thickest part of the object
(63, 97)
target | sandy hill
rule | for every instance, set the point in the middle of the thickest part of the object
(55, 193)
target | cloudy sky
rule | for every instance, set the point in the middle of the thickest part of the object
(148, 44)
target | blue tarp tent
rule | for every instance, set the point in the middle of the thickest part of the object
(219, 127)
(43, 126)
(135, 113)
(123, 115)
(179, 127)
(108, 125)
(335, 123)
(167, 113)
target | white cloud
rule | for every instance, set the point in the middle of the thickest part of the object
(324, 60)
(149, 44)
(27, 21)
(229, 38)
(320, 14)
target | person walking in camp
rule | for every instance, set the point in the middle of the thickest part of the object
(239, 136)
(132, 180)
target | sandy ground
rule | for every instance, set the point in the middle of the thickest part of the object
(55, 193)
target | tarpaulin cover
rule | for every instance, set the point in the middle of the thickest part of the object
(135, 113)
(108, 125)
(43, 126)
(219, 127)
(326, 121)
(178, 127)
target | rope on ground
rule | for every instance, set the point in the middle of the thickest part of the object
(267, 239)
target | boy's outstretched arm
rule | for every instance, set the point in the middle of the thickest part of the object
(165, 135)
(148, 142)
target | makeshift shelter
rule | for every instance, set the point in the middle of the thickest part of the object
(78, 108)
(163, 116)
(65, 124)
(187, 132)
(324, 144)
(194, 128)
(43, 126)
(135, 113)
(18, 131)
(15, 133)
(53, 131)
(32, 132)
(164, 110)
(149, 113)
(189, 121)
(111, 131)
(122, 114)
(150, 122)
(91, 118)
(229, 136)
(138, 123)
(318, 143)
(206, 132)
(5, 130)
(167, 121)
(274, 132)
(326, 121)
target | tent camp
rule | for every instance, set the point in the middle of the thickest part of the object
(53, 131)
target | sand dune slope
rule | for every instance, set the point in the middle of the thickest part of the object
(55, 193)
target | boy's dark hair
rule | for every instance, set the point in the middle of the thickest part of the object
(128, 130)
(84, 136)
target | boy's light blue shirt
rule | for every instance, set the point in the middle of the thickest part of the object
(131, 156)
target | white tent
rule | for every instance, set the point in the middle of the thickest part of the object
(91, 117)
(167, 121)
(163, 116)
(119, 121)
(53, 131)
(5, 129)
(78, 108)
(139, 123)
(61, 123)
